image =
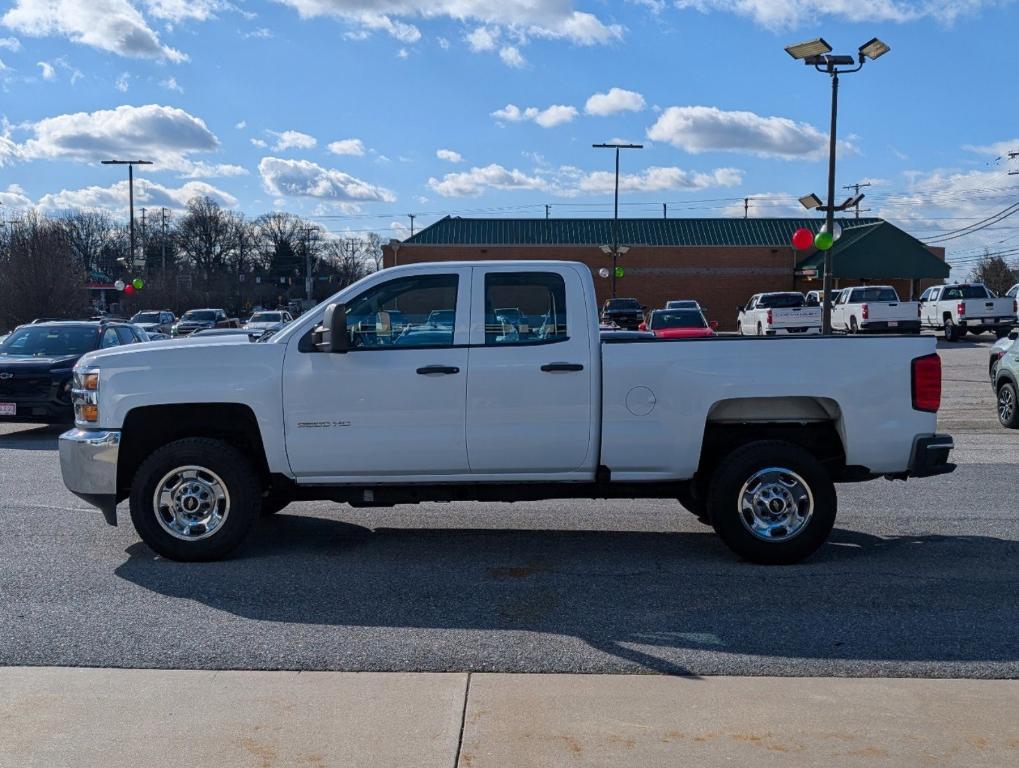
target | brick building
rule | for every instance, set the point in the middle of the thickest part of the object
(719, 262)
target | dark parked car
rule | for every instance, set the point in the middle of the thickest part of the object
(626, 313)
(36, 362)
(200, 319)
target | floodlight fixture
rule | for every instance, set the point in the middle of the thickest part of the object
(811, 201)
(803, 50)
(873, 49)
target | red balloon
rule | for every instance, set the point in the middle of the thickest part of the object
(803, 239)
(128, 289)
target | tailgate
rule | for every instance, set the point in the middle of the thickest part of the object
(990, 308)
(796, 317)
(892, 311)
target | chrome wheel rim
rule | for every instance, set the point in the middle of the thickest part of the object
(775, 504)
(1006, 405)
(191, 503)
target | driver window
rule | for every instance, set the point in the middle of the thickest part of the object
(110, 339)
(418, 311)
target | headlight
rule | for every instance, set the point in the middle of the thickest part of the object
(85, 396)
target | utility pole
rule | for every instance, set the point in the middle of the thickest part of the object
(746, 207)
(1013, 156)
(615, 209)
(665, 210)
(309, 283)
(548, 211)
(412, 216)
(145, 239)
(856, 191)
(162, 240)
(130, 191)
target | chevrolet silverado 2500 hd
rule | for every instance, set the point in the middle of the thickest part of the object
(345, 404)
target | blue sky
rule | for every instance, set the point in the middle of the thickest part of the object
(367, 111)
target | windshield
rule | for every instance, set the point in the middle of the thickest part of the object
(266, 317)
(678, 318)
(146, 317)
(965, 292)
(682, 304)
(874, 294)
(622, 304)
(50, 342)
(780, 301)
(201, 315)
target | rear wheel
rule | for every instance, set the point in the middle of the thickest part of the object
(760, 330)
(853, 327)
(772, 502)
(951, 331)
(1008, 405)
(195, 499)
(1000, 333)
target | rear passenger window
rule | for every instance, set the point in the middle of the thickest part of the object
(524, 308)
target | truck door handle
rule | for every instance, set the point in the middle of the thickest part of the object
(429, 369)
(553, 367)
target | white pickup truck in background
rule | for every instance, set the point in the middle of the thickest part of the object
(874, 309)
(346, 405)
(778, 314)
(966, 308)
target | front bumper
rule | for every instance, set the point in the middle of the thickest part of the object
(88, 463)
(39, 411)
(930, 457)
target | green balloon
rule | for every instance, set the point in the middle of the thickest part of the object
(619, 271)
(138, 283)
(823, 241)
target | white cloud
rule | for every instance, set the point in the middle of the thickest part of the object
(347, 147)
(763, 205)
(999, 149)
(292, 140)
(483, 39)
(146, 192)
(443, 43)
(555, 19)
(449, 155)
(10, 44)
(186, 10)
(109, 25)
(660, 179)
(616, 100)
(557, 114)
(477, 180)
(301, 178)
(262, 33)
(123, 82)
(171, 84)
(784, 14)
(47, 70)
(403, 53)
(240, 126)
(14, 196)
(512, 57)
(709, 129)
(166, 135)
(259, 143)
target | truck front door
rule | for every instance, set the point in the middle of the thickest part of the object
(531, 405)
(394, 404)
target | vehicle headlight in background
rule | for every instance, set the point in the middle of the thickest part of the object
(85, 396)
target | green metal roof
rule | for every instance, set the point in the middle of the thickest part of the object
(774, 233)
(879, 251)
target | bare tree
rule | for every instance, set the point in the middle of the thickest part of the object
(995, 273)
(205, 235)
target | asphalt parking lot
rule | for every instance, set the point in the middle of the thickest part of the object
(919, 579)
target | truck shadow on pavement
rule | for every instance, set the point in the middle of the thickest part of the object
(674, 603)
(41, 438)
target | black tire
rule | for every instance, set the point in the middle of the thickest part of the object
(1008, 405)
(760, 330)
(738, 469)
(853, 327)
(220, 465)
(1000, 333)
(695, 505)
(951, 330)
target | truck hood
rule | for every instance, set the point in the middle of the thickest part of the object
(167, 351)
(36, 364)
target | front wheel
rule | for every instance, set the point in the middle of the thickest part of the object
(772, 502)
(1008, 406)
(195, 499)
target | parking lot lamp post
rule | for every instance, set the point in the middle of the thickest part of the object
(817, 54)
(130, 192)
(615, 251)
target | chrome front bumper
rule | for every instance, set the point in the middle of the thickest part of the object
(88, 463)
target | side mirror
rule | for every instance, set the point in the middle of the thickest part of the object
(714, 325)
(1013, 335)
(331, 335)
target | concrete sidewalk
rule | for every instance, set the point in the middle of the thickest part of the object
(57, 717)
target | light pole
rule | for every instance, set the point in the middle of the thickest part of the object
(817, 54)
(616, 251)
(130, 191)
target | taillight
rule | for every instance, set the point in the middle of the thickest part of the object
(864, 311)
(768, 318)
(926, 383)
(961, 309)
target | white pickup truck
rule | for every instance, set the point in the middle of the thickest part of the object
(874, 309)
(778, 314)
(347, 405)
(966, 308)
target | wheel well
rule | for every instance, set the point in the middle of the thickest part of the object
(151, 427)
(947, 316)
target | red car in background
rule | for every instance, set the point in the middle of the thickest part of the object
(679, 324)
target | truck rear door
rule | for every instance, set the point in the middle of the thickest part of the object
(531, 387)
